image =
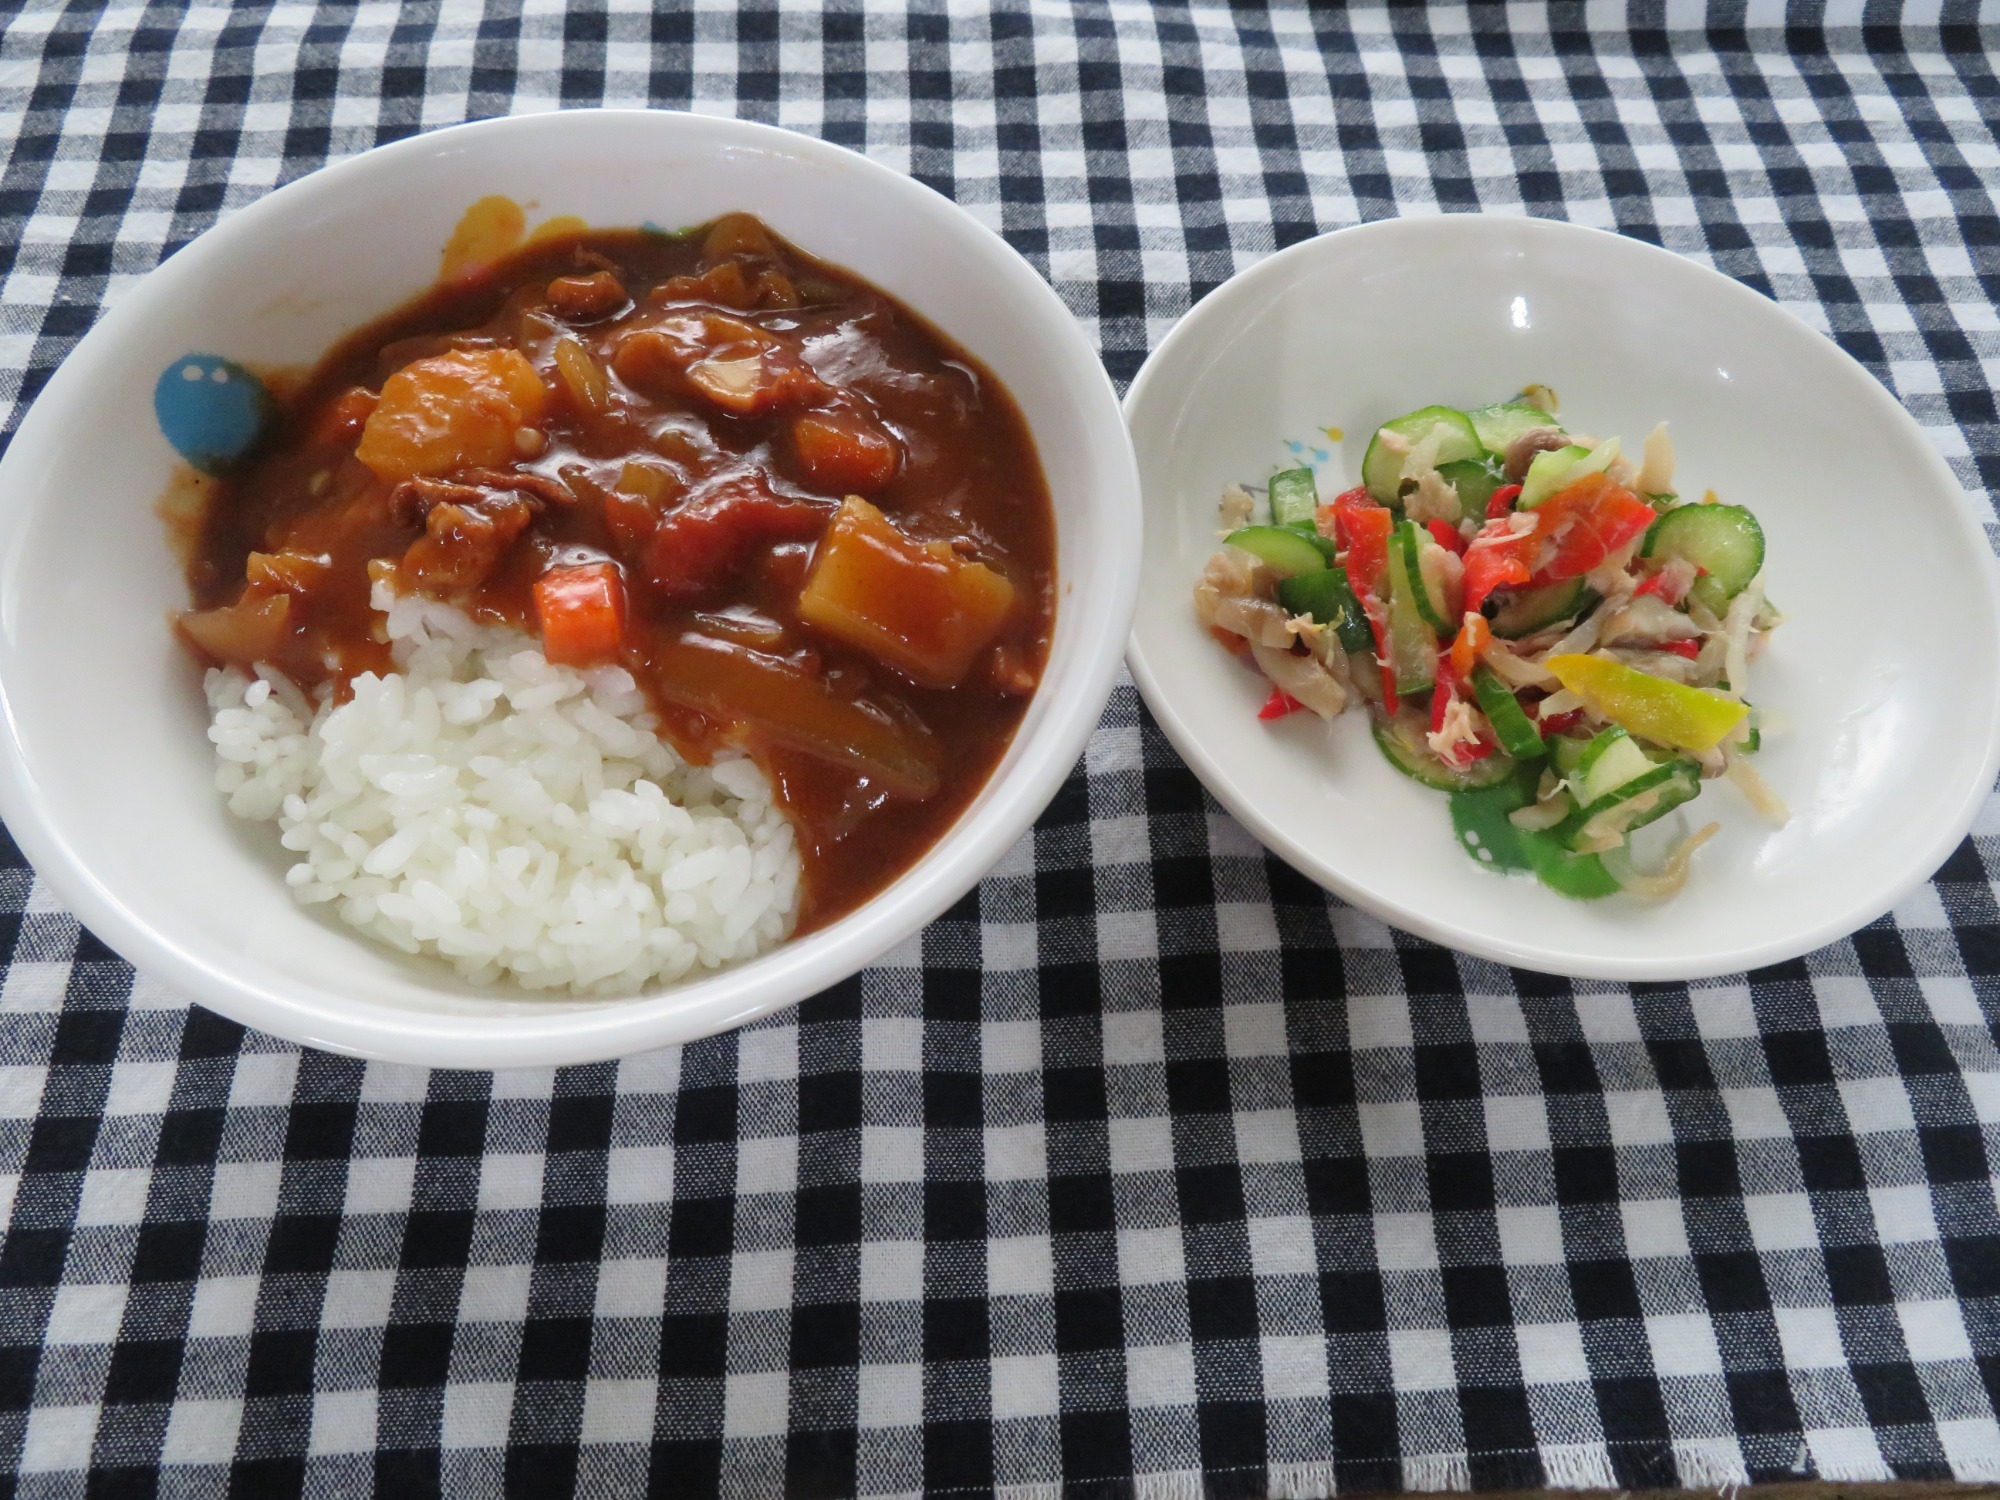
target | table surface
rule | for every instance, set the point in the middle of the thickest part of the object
(1150, 1160)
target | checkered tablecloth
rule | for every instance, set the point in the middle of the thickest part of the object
(1150, 1166)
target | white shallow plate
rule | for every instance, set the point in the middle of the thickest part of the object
(1883, 685)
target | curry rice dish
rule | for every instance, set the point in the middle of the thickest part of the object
(623, 608)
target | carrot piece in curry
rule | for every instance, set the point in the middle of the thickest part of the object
(581, 610)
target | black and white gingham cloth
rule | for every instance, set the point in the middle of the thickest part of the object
(1149, 1162)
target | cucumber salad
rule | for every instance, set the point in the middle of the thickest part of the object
(1537, 622)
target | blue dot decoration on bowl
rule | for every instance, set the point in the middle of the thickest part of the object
(210, 409)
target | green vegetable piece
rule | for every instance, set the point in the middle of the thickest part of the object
(1724, 541)
(1479, 818)
(1412, 637)
(1516, 732)
(1568, 750)
(1547, 473)
(1525, 611)
(1475, 479)
(1643, 799)
(1406, 547)
(1500, 425)
(1285, 551)
(1403, 744)
(1294, 497)
(1329, 598)
(1627, 760)
(1382, 465)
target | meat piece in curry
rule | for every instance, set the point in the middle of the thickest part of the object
(810, 524)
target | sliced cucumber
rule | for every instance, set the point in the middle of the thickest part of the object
(1499, 426)
(1567, 751)
(1406, 550)
(1284, 551)
(1382, 466)
(1412, 638)
(1600, 458)
(1512, 727)
(1607, 763)
(1547, 473)
(1294, 497)
(1475, 479)
(1405, 747)
(1634, 803)
(1526, 611)
(1724, 541)
(1329, 598)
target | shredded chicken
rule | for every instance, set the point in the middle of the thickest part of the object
(1675, 579)
(1460, 727)
(1434, 499)
(1647, 621)
(1656, 470)
(1613, 583)
(1442, 569)
(1420, 459)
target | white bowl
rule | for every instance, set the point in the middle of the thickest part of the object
(106, 778)
(1883, 685)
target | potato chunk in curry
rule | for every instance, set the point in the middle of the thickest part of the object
(452, 411)
(916, 606)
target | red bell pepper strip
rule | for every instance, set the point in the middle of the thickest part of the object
(1559, 723)
(1364, 532)
(1447, 536)
(1279, 704)
(1361, 530)
(1502, 501)
(1689, 649)
(1497, 559)
(1587, 522)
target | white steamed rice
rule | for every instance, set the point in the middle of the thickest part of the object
(518, 819)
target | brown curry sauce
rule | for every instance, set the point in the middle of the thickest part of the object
(698, 481)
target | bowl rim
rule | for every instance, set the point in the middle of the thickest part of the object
(576, 1030)
(1158, 381)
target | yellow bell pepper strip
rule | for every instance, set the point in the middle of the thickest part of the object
(1667, 713)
